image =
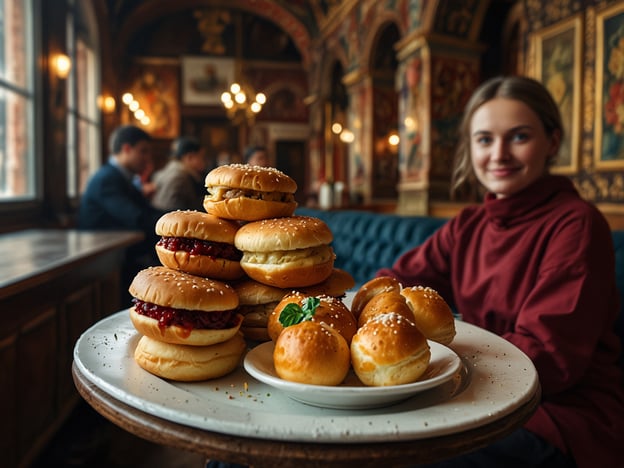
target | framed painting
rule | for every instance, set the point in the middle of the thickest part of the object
(558, 65)
(204, 79)
(609, 124)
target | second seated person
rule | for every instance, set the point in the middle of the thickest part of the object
(180, 184)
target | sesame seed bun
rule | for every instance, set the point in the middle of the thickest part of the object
(249, 193)
(170, 303)
(331, 311)
(370, 289)
(221, 259)
(432, 315)
(389, 350)
(286, 252)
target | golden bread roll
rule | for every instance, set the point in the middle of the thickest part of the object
(311, 353)
(175, 307)
(432, 315)
(189, 363)
(370, 289)
(286, 252)
(383, 303)
(199, 244)
(331, 311)
(249, 193)
(389, 350)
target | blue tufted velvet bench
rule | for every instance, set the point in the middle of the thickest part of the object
(366, 241)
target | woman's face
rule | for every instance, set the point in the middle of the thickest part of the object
(509, 147)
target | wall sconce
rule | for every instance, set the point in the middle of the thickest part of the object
(106, 104)
(62, 65)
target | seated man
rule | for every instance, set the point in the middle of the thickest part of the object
(112, 201)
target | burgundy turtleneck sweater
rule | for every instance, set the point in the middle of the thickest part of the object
(537, 268)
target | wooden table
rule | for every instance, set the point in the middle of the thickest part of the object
(54, 284)
(216, 435)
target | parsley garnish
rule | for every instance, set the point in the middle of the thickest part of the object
(293, 313)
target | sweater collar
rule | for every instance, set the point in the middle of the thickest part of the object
(527, 204)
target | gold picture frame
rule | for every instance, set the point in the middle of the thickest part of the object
(205, 78)
(558, 65)
(609, 124)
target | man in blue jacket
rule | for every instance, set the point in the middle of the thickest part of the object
(112, 201)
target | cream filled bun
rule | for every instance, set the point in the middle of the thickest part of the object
(199, 243)
(370, 289)
(175, 307)
(311, 353)
(432, 315)
(330, 310)
(189, 363)
(256, 303)
(389, 350)
(286, 252)
(249, 193)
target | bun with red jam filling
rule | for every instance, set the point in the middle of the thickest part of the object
(200, 244)
(174, 307)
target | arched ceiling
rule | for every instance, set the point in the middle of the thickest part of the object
(300, 19)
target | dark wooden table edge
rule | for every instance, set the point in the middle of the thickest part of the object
(270, 453)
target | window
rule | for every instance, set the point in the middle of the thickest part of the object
(17, 153)
(83, 117)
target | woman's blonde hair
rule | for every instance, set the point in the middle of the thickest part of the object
(520, 88)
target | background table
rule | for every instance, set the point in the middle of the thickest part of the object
(494, 393)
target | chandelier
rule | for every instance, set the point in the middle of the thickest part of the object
(242, 102)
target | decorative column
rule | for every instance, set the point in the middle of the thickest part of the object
(359, 121)
(437, 75)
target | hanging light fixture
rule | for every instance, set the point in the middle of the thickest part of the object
(242, 102)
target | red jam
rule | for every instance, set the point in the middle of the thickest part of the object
(201, 247)
(188, 319)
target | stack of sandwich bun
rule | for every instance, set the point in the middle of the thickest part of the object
(280, 252)
(389, 346)
(224, 270)
(189, 325)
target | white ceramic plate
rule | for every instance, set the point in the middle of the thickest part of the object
(352, 394)
(495, 378)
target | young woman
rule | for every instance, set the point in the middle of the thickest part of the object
(535, 264)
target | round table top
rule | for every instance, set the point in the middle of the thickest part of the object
(240, 419)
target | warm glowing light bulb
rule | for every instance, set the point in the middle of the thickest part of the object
(235, 88)
(347, 136)
(139, 114)
(256, 107)
(127, 98)
(226, 97)
(145, 120)
(260, 98)
(240, 98)
(336, 128)
(393, 139)
(228, 104)
(62, 64)
(133, 106)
